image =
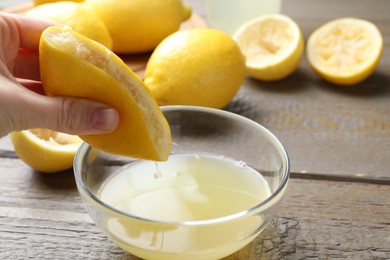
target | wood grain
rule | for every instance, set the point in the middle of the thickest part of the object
(41, 216)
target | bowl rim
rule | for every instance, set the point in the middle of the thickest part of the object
(84, 148)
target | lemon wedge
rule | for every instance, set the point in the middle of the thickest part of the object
(76, 66)
(345, 51)
(272, 45)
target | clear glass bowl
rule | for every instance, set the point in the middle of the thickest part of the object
(199, 131)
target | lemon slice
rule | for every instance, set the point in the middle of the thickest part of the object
(345, 51)
(73, 65)
(45, 150)
(272, 45)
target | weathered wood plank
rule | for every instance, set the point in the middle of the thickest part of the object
(323, 130)
(41, 216)
(343, 131)
(325, 219)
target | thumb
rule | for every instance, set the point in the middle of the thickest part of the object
(67, 114)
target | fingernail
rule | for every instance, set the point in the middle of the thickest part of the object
(104, 119)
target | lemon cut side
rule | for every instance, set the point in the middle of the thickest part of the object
(272, 45)
(45, 150)
(345, 51)
(73, 65)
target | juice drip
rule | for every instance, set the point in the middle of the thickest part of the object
(157, 174)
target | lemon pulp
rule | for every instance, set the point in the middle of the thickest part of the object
(345, 51)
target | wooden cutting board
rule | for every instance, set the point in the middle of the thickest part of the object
(137, 62)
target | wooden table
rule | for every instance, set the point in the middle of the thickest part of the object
(338, 139)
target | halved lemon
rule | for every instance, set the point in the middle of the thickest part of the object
(272, 45)
(76, 66)
(45, 150)
(345, 51)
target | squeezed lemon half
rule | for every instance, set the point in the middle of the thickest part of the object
(75, 66)
(45, 150)
(345, 51)
(272, 45)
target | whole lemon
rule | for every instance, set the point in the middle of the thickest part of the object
(200, 67)
(139, 26)
(80, 18)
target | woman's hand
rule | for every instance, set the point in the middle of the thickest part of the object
(22, 102)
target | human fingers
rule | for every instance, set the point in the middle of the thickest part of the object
(27, 28)
(19, 44)
(24, 109)
(75, 116)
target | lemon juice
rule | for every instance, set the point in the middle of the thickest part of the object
(187, 188)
